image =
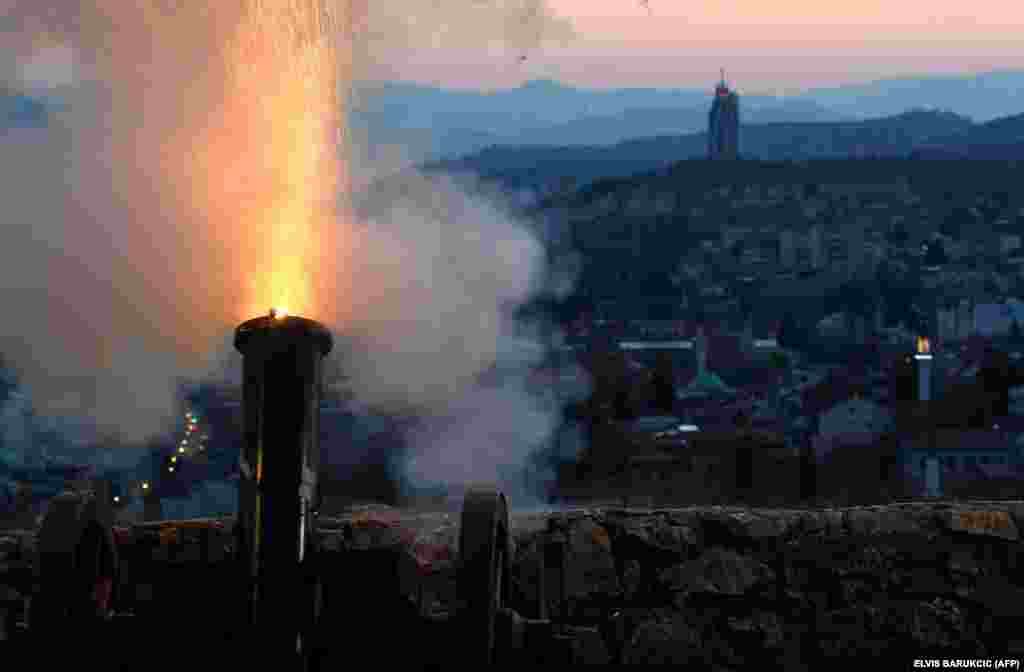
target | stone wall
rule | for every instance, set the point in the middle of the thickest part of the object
(731, 588)
(724, 588)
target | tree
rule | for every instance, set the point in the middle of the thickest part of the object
(935, 255)
(903, 381)
(995, 379)
(1016, 335)
(1002, 199)
(736, 249)
(956, 222)
(779, 360)
(610, 394)
(917, 321)
(663, 384)
(897, 235)
(790, 335)
(855, 298)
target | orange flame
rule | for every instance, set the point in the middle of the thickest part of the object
(923, 346)
(272, 165)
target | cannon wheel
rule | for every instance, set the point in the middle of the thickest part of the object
(483, 575)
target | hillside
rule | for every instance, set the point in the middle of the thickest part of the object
(539, 167)
(1001, 139)
(981, 96)
(654, 122)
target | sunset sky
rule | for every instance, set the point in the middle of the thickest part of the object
(781, 46)
(776, 46)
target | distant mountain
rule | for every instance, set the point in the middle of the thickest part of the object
(982, 97)
(536, 167)
(539, 167)
(507, 112)
(998, 139)
(649, 122)
(437, 123)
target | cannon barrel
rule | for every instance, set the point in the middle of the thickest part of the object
(282, 364)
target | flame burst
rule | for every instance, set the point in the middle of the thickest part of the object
(277, 160)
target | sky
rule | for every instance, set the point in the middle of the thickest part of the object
(777, 47)
(772, 47)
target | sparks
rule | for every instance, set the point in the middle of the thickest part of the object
(284, 70)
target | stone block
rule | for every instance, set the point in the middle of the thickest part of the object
(982, 522)
(672, 642)
(590, 564)
(717, 571)
(747, 526)
(882, 520)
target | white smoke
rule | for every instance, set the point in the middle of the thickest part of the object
(445, 265)
(115, 278)
(442, 264)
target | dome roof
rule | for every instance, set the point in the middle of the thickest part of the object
(706, 382)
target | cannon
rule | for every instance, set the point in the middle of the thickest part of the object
(275, 586)
(279, 565)
(281, 372)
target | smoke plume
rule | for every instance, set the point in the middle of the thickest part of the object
(191, 172)
(386, 32)
(444, 267)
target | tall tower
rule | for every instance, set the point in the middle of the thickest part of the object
(724, 123)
